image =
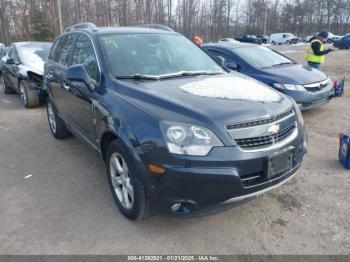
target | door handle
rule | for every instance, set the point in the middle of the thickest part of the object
(65, 86)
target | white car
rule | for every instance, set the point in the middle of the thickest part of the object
(283, 38)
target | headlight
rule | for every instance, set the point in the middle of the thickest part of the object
(289, 87)
(187, 139)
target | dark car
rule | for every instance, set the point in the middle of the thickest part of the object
(309, 87)
(343, 43)
(264, 38)
(22, 71)
(250, 39)
(177, 132)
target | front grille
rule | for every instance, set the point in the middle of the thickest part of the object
(315, 87)
(260, 121)
(265, 141)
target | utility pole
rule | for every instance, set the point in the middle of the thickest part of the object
(59, 15)
(265, 21)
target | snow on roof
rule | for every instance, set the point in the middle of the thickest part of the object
(233, 87)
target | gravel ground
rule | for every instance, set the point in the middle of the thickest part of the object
(54, 197)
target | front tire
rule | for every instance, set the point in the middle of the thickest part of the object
(273, 42)
(57, 126)
(128, 189)
(29, 97)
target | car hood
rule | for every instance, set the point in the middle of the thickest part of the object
(221, 99)
(294, 74)
(36, 67)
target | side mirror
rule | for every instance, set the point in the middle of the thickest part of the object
(10, 61)
(232, 66)
(221, 61)
(78, 73)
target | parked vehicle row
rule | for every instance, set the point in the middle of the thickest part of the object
(289, 38)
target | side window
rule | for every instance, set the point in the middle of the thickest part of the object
(53, 49)
(9, 54)
(84, 53)
(228, 59)
(64, 49)
(14, 55)
(284, 36)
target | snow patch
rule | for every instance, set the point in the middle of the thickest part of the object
(236, 88)
(292, 51)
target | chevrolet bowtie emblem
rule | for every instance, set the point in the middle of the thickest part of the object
(273, 129)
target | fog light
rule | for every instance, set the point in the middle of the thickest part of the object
(175, 207)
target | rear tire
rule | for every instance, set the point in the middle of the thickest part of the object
(57, 126)
(128, 189)
(29, 97)
(273, 42)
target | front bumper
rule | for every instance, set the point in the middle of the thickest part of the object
(309, 100)
(223, 179)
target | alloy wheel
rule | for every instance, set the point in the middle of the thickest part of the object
(52, 119)
(23, 94)
(121, 181)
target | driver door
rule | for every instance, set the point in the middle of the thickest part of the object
(80, 97)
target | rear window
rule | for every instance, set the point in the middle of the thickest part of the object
(260, 57)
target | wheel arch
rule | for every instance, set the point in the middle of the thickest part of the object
(106, 139)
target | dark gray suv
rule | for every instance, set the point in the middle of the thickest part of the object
(178, 133)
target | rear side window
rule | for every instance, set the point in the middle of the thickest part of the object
(84, 53)
(64, 49)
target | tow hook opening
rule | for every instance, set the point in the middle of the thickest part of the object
(183, 207)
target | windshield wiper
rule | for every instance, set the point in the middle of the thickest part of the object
(283, 63)
(171, 75)
(139, 77)
(188, 73)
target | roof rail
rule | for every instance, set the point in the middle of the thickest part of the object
(86, 25)
(156, 26)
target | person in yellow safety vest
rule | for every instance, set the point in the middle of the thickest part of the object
(316, 52)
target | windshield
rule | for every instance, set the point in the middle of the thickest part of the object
(154, 55)
(261, 57)
(31, 53)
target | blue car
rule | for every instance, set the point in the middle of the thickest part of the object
(309, 87)
(343, 42)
